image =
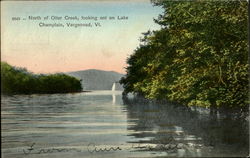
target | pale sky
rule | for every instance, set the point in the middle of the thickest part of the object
(50, 50)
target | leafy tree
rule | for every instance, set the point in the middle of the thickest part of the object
(199, 57)
(20, 81)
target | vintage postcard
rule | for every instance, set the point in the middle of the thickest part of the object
(124, 78)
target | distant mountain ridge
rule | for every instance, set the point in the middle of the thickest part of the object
(93, 79)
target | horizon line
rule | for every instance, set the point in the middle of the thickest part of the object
(62, 71)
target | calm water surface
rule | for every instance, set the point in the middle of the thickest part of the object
(84, 124)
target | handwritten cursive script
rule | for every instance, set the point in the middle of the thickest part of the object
(32, 150)
(93, 148)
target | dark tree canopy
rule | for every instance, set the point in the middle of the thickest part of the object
(19, 81)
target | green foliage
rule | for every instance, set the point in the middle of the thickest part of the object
(198, 57)
(20, 81)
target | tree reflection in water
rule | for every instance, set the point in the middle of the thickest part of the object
(177, 130)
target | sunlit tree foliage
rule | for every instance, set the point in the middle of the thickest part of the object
(198, 57)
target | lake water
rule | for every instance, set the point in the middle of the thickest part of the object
(100, 124)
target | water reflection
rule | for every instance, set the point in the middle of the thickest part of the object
(100, 117)
(113, 98)
(193, 134)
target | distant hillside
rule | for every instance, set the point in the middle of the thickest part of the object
(97, 79)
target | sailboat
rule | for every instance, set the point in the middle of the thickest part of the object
(113, 87)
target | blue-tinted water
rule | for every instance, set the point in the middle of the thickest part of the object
(100, 124)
